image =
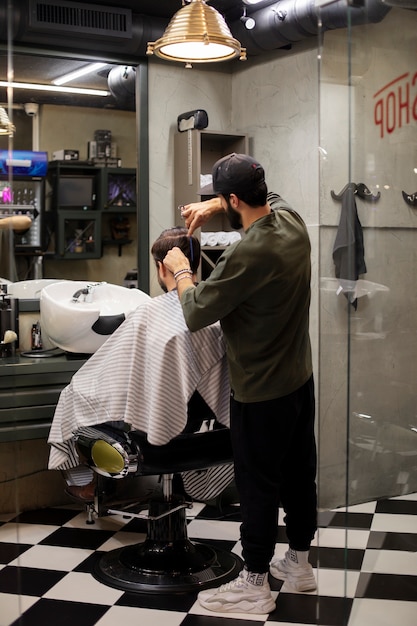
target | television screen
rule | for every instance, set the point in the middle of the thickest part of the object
(121, 190)
(76, 192)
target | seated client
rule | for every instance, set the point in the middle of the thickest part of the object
(144, 376)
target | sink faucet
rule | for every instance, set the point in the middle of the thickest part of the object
(87, 292)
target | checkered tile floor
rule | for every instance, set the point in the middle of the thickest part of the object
(46, 558)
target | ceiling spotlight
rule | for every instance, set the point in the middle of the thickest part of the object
(197, 33)
(249, 22)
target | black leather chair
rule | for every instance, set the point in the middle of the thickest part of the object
(167, 560)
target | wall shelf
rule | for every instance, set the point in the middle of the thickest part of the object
(195, 153)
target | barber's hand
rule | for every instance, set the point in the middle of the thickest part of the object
(16, 222)
(198, 213)
(176, 260)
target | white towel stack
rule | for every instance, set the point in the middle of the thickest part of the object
(219, 238)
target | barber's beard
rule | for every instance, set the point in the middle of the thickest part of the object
(233, 216)
(162, 285)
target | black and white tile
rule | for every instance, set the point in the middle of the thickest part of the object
(46, 559)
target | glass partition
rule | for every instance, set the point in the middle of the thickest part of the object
(368, 178)
(368, 269)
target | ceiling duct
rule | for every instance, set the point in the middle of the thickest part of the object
(402, 4)
(284, 23)
(87, 19)
(119, 32)
(67, 26)
(122, 84)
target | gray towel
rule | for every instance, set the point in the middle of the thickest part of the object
(348, 249)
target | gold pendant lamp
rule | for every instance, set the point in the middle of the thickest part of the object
(197, 33)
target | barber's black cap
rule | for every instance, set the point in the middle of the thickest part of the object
(237, 172)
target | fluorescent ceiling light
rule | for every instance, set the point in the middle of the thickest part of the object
(53, 88)
(87, 69)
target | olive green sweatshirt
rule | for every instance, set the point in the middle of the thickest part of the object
(260, 292)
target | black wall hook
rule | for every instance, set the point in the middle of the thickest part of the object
(351, 186)
(410, 198)
(360, 189)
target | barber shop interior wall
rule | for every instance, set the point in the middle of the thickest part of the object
(276, 103)
(279, 116)
(280, 104)
(173, 90)
(365, 360)
(355, 121)
(368, 121)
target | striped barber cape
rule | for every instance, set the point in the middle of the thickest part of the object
(144, 375)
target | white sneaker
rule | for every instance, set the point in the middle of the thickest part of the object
(239, 596)
(299, 575)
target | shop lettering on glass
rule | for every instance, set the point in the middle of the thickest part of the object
(396, 104)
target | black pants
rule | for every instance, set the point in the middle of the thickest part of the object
(275, 463)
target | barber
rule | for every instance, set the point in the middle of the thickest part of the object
(260, 292)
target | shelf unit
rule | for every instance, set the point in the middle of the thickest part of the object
(29, 200)
(195, 153)
(79, 235)
(117, 190)
(82, 193)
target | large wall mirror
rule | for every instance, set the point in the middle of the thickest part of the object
(61, 114)
(51, 71)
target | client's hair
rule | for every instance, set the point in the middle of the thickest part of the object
(177, 237)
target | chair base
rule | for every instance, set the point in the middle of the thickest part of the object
(167, 561)
(150, 568)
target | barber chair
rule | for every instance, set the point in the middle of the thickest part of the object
(166, 561)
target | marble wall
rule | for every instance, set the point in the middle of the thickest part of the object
(173, 90)
(367, 414)
(274, 102)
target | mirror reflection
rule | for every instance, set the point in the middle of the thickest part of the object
(69, 81)
(326, 112)
(82, 206)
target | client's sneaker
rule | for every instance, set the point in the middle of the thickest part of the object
(298, 574)
(248, 593)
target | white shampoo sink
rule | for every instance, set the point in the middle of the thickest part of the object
(78, 316)
(29, 289)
